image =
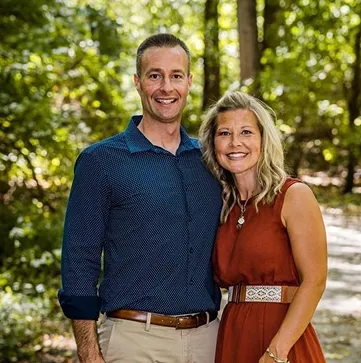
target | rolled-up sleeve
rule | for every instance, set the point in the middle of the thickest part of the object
(84, 231)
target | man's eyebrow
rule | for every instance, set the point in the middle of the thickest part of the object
(178, 71)
(150, 70)
(154, 70)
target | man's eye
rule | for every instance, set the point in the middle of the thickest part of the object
(178, 76)
(154, 76)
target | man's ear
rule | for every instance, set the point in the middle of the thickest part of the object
(136, 82)
(190, 80)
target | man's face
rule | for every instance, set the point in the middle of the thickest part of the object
(164, 83)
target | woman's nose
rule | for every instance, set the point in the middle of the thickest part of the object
(236, 140)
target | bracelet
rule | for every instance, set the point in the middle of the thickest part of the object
(275, 358)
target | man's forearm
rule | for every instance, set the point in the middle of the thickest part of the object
(86, 337)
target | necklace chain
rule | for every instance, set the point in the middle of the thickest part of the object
(243, 208)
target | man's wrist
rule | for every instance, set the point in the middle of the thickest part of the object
(90, 356)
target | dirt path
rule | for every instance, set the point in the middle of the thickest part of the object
(338, 317)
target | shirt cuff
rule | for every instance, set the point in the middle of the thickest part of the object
(79, 307)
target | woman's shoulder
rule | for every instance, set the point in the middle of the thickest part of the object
(290, 181)
(295, 189)
(295, 185)
(297, 194)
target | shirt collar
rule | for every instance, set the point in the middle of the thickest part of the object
(137, 142)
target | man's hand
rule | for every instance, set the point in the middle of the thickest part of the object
(86, 337)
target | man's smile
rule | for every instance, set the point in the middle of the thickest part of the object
(165, 101)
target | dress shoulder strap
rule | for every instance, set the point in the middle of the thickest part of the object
(281, 195)
(289, 181)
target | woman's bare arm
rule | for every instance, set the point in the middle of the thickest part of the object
(302, 217)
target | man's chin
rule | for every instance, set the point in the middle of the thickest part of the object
(168, 118)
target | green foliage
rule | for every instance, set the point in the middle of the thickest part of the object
(60, 79)
(24, 320)
(306, 79)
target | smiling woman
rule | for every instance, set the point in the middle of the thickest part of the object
(235, 111)
(270, 250)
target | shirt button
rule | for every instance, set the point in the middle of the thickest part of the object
(191, 282)
(191, 250)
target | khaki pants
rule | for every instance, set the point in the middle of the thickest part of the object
(124, 341)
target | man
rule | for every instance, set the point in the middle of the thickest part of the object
(144, 199)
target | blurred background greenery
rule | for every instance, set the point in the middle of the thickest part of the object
(66, 81)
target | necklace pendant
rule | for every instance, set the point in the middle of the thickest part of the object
(240, 221)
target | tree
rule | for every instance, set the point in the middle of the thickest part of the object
(353, 96)
(248, 43)
(211, 57)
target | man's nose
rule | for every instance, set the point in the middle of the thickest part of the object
(166, 85)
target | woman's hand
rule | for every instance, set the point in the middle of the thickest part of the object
(266, 358)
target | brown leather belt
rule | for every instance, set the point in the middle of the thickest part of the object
(178, 322)
(261, 293)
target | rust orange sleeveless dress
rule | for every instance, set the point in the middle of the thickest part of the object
(257, 254)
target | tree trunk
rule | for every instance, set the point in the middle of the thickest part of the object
(354, 107)
(248, 43)
(211, 90)
(270, 35)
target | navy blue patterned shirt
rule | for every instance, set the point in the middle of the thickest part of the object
(153, 215)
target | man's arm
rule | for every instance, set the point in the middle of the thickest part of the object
(85, 332)
(84, 229)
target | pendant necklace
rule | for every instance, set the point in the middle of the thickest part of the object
(243, 207)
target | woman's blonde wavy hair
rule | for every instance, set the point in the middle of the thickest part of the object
(271, 172)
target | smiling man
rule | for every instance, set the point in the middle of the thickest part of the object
(144, 200)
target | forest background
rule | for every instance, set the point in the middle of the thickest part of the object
(66, 81)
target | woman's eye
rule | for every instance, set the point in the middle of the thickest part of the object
(223, 133)
(246, 132)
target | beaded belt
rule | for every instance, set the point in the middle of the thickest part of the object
(261, 293)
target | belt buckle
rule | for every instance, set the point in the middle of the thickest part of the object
(263, 293)
(179, 320)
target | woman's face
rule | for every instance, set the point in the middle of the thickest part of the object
(237, 141)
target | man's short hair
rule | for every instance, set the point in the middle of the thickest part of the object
(160, 40)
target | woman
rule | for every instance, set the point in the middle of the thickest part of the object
(270, 250)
